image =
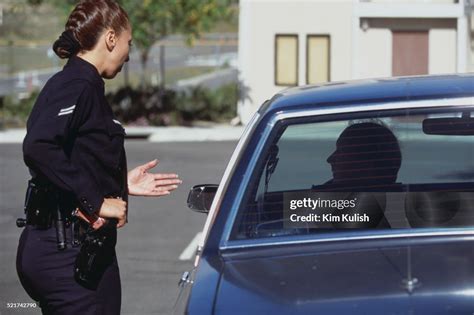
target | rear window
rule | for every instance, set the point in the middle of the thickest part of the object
(411, 169)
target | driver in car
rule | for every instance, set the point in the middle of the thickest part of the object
(364, 165)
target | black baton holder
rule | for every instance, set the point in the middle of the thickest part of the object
(60, 230)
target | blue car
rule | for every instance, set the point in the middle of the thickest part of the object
(344, 198)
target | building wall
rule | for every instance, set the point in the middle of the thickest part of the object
(370, 55)
(471, 42)
(373, 63)
(374, 53)
(256, 56)
(413, 1)
(442, 57)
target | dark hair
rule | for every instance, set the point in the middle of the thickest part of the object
(86, 23)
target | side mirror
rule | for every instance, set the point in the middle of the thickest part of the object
(201, 196)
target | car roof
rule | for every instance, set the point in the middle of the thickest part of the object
(362, 92)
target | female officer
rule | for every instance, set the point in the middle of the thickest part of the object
(74, 151)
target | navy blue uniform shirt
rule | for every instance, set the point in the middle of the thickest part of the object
(73, 139)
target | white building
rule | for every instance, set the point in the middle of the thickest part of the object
(297, 42)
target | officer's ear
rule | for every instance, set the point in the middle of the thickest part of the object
(110, 39)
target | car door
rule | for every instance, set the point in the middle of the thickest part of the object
(414, 185)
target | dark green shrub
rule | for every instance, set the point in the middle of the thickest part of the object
(210, 105)
(15, 111)
(166, 107)
(131, 105)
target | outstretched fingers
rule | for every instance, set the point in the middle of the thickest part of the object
(150, 165)
(160, 176)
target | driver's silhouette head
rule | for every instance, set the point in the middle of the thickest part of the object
(366, 153)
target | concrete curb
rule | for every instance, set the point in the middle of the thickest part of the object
(12, 135)
(156, 134)
(182, 134)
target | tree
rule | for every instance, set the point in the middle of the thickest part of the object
(153, 20)
(66, 5)
(21, 19)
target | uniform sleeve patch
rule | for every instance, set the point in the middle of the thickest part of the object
(67, 110)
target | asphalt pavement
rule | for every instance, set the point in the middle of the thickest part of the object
(149, 246)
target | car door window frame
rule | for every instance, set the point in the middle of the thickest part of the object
(320, 115)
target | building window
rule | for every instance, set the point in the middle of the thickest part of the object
(317, 58)
(286, 60)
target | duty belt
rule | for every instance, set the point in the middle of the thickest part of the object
(44, 208)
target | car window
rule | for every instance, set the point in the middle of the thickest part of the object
(411, 169)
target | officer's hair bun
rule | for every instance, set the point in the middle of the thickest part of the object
(88, 20)
(66, 45)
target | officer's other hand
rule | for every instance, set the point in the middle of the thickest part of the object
(114, 208)
(143, 183)
(94, 220)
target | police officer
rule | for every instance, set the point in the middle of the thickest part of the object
(75, 153)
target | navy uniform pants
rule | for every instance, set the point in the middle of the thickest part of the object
(47, 275)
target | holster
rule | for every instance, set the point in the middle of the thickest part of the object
(96, 254)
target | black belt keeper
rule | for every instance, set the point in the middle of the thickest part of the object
(76, 233)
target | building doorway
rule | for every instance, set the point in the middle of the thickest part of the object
(410, 53)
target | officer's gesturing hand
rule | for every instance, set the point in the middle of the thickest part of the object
(114, 208)
(143, 183)
(140, 183)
